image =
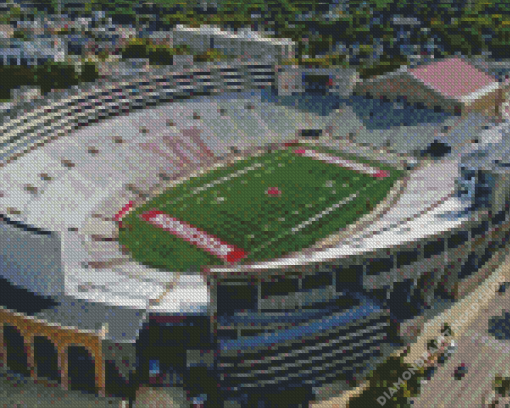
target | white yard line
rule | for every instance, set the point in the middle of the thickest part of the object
(326, 211)
(219, 181)
(314, 218)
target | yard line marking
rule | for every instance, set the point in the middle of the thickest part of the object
(226, 178)
(314, 218)
(218, 181)
(326, 211)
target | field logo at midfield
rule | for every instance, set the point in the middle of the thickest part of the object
(195, 236)
(348, 164)
(274, 191)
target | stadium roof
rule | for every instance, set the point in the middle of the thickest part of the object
(453, 78)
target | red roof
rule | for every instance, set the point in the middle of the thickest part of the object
(452, 77)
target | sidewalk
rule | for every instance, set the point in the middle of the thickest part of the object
(19, 392)
(484, 355)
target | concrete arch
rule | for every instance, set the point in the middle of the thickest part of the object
(17, 358)
(61, 337)
(46, 358)
(81, 368)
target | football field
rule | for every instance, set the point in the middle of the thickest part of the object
(256, 209)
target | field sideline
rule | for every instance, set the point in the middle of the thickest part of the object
(261, 207)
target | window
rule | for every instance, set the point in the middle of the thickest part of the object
(379, 265)
(348, 276)
(468, 174)
(433, 248)
(480, 229)
(458, 239)
(487, 255)
(319, 280)
(68, 163)
(311, 133)
(279, 287)
(232, 298)
(405, 258)
(499, 218)
(154, 367)
(469, 267)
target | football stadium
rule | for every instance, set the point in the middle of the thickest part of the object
(238, 251)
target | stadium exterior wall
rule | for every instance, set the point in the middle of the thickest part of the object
(30, 258)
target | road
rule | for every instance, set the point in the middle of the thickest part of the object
(484, 355)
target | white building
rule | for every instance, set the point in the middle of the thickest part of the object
(17, 52)
(245, 44)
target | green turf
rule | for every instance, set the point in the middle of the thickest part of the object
(249, 218)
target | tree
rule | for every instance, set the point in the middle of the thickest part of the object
(14, 14)
(502, 385)
(89, 72)
(446, 330)
(56, 75)
(136, 48)
(20, 35)
(160, 55)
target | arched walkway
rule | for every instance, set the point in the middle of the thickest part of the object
(81, 368)
(30, 346)
(46, 359)
(17, 358)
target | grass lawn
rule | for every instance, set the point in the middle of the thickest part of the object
(314, 199)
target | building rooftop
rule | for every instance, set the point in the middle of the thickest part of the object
(452, 77)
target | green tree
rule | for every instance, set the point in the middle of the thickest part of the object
(502, 385)
(89, 72)
(383, 378)
(160, 55)
(14, 14)
(135, 49)
(56, 75)
(20, 35)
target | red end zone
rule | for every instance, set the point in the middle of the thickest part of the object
(195, 236)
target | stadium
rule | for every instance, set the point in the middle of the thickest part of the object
(240, 251)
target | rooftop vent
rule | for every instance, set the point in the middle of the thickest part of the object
(31, 189)
(311, 133)
(68, 163)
